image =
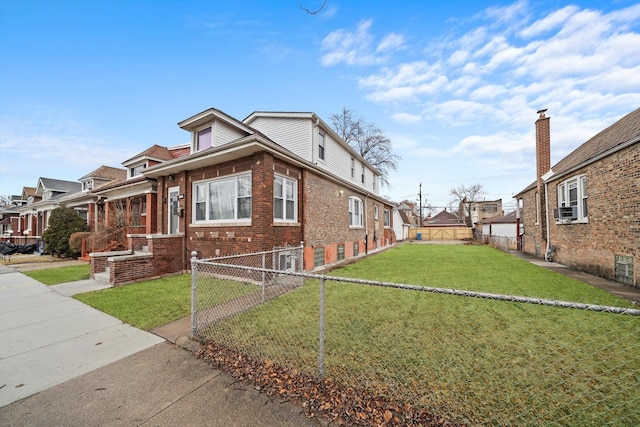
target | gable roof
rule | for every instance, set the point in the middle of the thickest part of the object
(58, 185)
(444, 219)
(28, 191)
(619, 135)
(155, 152)
(106, 172)
(625, 130)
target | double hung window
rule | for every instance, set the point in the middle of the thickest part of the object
(224, 199)
(285, 199)
(573, 192)
(355, 212)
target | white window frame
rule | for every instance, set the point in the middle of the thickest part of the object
(322, 147)
(376, 213)
(568, 198)
(362, 176)
(207, 203)
(387, 218)
(137, 169)
(283, 199)
(353, 167)
(356, 212)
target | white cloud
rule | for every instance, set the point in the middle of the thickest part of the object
(550, 22)
(357, 48)
(406, 118)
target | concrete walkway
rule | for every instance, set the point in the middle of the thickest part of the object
(47, 338)
(64, 363)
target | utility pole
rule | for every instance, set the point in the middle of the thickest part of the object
(420, 197)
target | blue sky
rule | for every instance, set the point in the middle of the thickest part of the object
(454, 84)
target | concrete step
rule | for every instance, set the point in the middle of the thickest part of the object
(102, 277)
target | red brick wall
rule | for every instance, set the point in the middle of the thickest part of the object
(263, 234)
(326, 220)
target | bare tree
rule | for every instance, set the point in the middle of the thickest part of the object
(465, 196)
(368, 140)
(5, 201)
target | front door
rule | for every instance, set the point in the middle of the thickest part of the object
(174, 210)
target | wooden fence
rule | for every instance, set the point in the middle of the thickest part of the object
(441, 233)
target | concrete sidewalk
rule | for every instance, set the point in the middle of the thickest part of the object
(64, 363)
(47, 338)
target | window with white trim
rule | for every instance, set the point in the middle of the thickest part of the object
(573, 192)
(285, 199)
(355, 212)
(376, 214)
(223, 199)
(387, 218)
(321, 146)
(137, 170)
(362, 174)
(353, 168)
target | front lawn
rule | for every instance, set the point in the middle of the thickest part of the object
(481, 361)
(57, 275)
(153, 303)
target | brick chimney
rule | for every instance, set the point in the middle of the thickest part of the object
(543, 146)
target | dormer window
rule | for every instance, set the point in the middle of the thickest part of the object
(137, 170)
(87, 185)
(203, 139)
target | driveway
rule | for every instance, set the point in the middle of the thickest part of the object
(47, 338)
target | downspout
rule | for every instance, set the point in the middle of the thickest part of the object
(545, 178)
(366, 225)
(313, 140)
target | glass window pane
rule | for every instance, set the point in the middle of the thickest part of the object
(244, 207)
(290, 209)
(277, 209)
(277, 187)
(244, 186)
(204, 139)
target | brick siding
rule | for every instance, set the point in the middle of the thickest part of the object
(613, 227)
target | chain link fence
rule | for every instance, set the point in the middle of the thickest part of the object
(468, 357)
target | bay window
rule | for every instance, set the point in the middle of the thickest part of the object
(224, 199)
(285, 199)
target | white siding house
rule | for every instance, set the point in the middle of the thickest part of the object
(306, 135)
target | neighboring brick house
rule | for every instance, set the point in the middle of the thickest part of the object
(271, 180)
(131, 199)
(584, 211)
(34, 215)
(86, 202)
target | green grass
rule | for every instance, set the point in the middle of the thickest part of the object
(57, 275)
(153, 303)
(490, 362)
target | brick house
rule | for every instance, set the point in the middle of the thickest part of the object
(271, 180)
(584, 211)
(34, 216)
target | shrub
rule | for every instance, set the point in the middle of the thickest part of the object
(63, 222)
(75, 241)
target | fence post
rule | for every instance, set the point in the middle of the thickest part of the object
(194, 293)
(263, 276)
(321, 334)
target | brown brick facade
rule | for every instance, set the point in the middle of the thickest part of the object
(613, 227)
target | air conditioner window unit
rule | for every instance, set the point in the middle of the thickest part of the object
(566, 212)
